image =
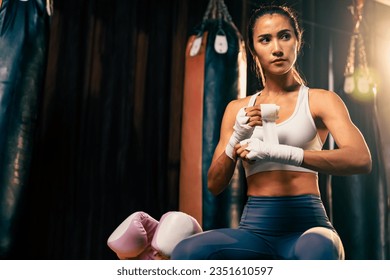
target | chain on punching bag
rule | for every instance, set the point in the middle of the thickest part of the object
(24, 30)
(215, 74)
(359, 82)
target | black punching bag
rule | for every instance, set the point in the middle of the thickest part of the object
(24, 30)
(215, 75)
(360, 202)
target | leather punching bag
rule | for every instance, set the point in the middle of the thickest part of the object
(24, 30)
(215, 75)
(360, 202)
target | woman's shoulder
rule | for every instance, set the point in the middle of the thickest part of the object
(321, 100)
(321, 95)
(238, 103)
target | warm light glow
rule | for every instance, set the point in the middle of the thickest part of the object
(381, 54)
(361, 85)
(385, 2)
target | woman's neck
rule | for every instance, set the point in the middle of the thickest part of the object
(280, 84)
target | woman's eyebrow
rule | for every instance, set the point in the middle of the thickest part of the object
(279, 32)
(284, 31)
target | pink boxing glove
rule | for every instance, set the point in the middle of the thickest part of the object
(132, 238)
(173, 227)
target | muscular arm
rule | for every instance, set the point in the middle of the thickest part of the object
(352, 155)
(222, 166)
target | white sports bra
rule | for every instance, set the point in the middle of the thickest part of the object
(298, 130)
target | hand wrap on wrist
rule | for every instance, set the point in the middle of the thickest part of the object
(258, 150)
(241, 131)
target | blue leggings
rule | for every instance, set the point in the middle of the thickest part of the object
(290, 227)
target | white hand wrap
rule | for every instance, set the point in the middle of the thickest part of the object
(173, 227)
(258, 150)
(241, 131)
(269, 114)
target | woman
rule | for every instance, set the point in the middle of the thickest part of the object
(284, 217)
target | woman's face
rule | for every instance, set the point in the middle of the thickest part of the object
(275, 44)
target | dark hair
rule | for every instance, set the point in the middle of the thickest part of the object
(269, 10)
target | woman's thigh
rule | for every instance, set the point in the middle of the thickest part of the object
(223, 244)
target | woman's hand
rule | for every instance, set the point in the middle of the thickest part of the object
(246, 120)
(254, 150)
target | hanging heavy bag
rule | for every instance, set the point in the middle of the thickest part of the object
(24, 31)
(360, 201)
(215, 74)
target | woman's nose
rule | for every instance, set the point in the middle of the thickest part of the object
(277, 51)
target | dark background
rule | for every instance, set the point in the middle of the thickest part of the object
(108, 134)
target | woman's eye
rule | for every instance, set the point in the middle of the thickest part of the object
(286, 36)
(264, 40)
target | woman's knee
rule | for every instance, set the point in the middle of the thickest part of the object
(189, 248)
(319, 244)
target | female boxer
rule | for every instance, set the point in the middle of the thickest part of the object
(281, 148)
